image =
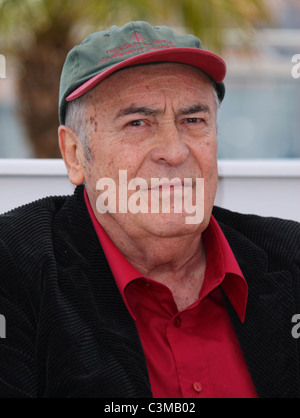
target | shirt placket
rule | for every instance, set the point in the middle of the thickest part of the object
(189, 357)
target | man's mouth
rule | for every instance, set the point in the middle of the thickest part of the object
(165, 186)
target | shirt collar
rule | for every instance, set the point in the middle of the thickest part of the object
(222, 267)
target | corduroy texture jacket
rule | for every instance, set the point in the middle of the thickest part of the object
(69, 334)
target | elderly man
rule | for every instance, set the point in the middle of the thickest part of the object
(141, 303)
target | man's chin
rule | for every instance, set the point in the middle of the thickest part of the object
(169, 224)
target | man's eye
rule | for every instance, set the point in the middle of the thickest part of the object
(136, 123)
(194, 120)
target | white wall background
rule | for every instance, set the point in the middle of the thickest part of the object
(267, 188)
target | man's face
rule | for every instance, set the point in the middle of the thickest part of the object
(153, 121)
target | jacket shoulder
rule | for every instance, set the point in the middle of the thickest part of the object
(26, 223)
(26, 237)
(278, 238)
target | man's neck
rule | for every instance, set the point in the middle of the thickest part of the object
(177, 262)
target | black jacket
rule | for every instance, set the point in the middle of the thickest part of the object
(69, 334)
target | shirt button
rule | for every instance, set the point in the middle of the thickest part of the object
(177, 322)
(197, 387)
(148, 285)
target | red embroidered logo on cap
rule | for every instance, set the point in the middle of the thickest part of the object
(138, 44)
(137, 37)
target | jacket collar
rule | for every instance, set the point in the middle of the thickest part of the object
(270, 351)
(78, 250)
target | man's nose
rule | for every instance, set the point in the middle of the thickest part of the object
(170, 147)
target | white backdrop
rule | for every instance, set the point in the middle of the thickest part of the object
(267, 188)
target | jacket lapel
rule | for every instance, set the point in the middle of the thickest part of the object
(270, 351)
(84, 268)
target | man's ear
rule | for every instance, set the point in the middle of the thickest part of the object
(72, 153)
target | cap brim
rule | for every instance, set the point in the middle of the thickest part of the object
(206, 61)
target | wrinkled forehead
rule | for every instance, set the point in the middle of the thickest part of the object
(150, 79)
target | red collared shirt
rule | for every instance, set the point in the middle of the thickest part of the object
(193, 353)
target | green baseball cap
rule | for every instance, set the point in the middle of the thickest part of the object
(103, 53)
